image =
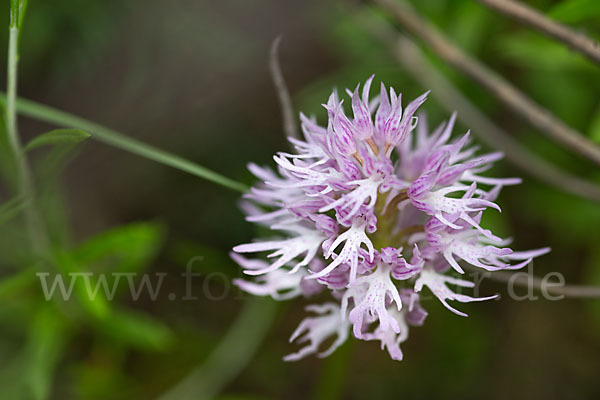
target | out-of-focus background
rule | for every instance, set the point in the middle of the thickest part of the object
(191, 77)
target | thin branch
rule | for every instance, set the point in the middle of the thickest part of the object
(35, 226)
(113, 138)
(533, 18)
(287, 113)
(409, 55)
(449, 97)
(524, 280)
(415, 62)
(518, 102)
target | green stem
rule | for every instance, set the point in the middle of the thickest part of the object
(11, 85)
(121, 141)
(231, 355)
(330, 385)
(37, 234)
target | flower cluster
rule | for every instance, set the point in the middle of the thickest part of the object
(372, 208)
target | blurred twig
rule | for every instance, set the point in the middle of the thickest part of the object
(518, 102)
(285, 101)
(409, 55)
(449, 97)
(533, 18)
(231, 355)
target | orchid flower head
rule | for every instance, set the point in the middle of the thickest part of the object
(373, 208)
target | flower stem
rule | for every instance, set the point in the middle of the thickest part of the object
(37, 235)
(230, 356)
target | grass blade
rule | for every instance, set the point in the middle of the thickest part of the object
(113, 138)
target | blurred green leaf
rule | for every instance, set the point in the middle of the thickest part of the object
(47, 336)
(16, 282)
(56, 137)
(595, 127)
(127, 248)
(138, 331)
(96, 304)
(11, 208)
(535, 52)
(18, 9)
(468, 25)
(50, 200)
(99, 377)
(572, 226)
(571, 11)
(353, 45)
(12, 381)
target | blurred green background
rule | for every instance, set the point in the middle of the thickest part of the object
(191, 77)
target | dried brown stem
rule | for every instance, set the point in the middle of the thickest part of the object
(533, 18)
(518, 102)
(285, 101)
(417, 64)
(451, 98)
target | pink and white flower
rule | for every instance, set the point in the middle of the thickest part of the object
(373, 208)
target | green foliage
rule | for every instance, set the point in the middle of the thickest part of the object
(96, 346)
(535, 52)
(56, 137)
(48, 335)
(470, 24)
(11, 208)
(16, 283)
(137, 331)
(573, 11)
(595, 126)
(127, 248)
(18, 9)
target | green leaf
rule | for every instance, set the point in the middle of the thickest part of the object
(468, 25)
(595, 127)
(539, 53)
(137, 330)
(571, 11)
(127, 248)
(11, 208)
(46, 341)
(16, 282)
(17, 13)
(57, 136)
(48, 172)
(97, 306)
